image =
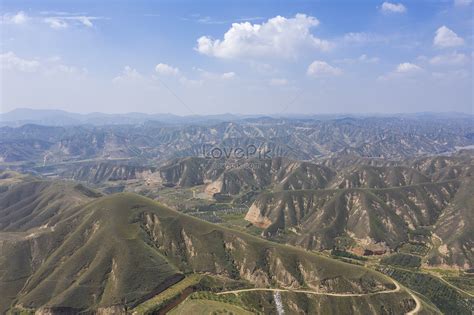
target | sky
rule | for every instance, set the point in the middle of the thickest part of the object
(241, 57)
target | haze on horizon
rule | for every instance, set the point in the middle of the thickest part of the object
(215, 58)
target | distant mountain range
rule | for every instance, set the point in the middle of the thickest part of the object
(48, 117)
(22, 116)
(136, 214)
(382, 137)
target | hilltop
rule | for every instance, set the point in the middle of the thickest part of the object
(119, 250)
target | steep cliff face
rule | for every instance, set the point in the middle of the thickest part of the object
(379, 177)
(454, 243)
(119, 250)
(254, 215)
(188, 172)
(236, 255)
(375, 215)
(234, 176)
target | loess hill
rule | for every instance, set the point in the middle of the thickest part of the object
(113, 252)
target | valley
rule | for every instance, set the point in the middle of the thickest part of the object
(328, 233)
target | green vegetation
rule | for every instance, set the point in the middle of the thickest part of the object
(447, 299)
(343, 242)
(464, 282)
(420, 231)
(414, 248)
(130, 248)
(342, 253)
(207, 307)
(403, 260)
(165, 297)
(64, 244)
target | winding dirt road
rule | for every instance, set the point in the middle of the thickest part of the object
(418, 304)
(397, 289)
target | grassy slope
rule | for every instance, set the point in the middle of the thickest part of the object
(191, 306)
(36, 203)
(444, 297)
(105, 261)
(170, 293)
(115, 255)
(27, 208)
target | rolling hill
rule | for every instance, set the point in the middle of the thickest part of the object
(116, 251)
(299, 139)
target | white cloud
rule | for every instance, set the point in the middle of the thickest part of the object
(389, 7)
(361, 59)
(190, 82)
(462, 3)
(407, 67)
(128, 74)
(56, 23)
(228, 75)
(61, 20)
(209, 20)
(403, 70)
(322, 69)
(85, 20)
(215, 76)
(49, 66)
(455, 75)
(164, 69)
(357, 37)
(445, 37)
(278, 82)
(279, 36)
(362, 38)
(453, 59)
(364, 58)
(18, 18)
(10, 61)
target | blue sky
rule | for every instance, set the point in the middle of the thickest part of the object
(249, 57)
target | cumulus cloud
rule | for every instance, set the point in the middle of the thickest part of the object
(320, 68)
(128, 74)
(50, 66)
(11, 61)
(445, 37)
(18, 18)
(403, 70)
(462, 3)
(164, 69)
(454, 59)
(279, 36)
(389, 7)
(407, 67)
